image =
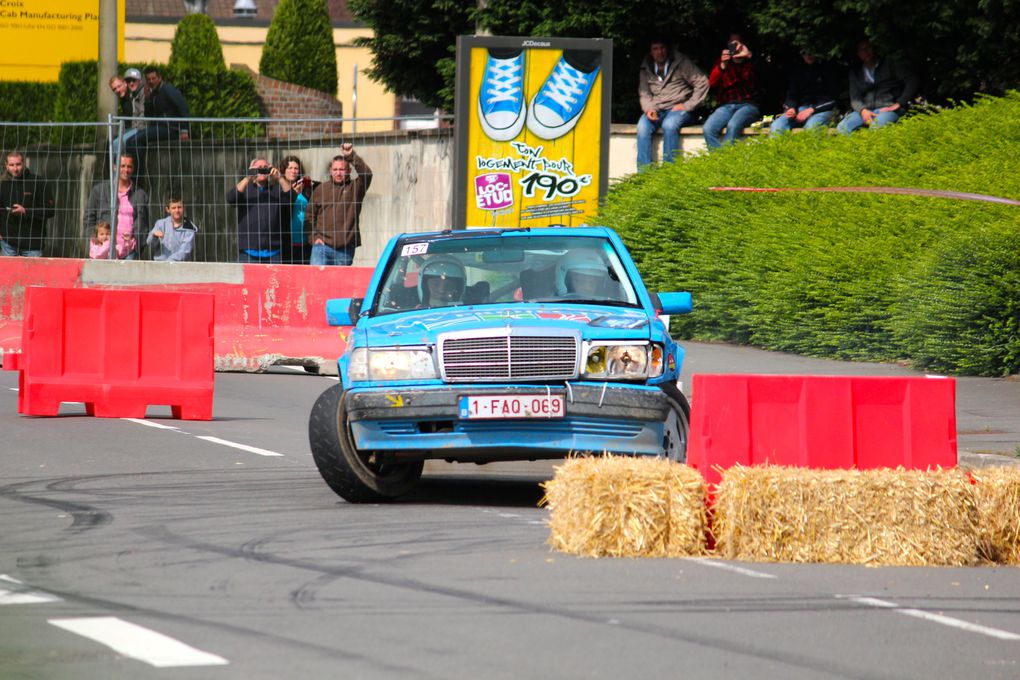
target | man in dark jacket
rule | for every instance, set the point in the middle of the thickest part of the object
(263, 201)
(880, 90)
(26, 203)
(810, 96)
(333, 216)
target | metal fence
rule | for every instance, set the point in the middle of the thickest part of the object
(411, 189)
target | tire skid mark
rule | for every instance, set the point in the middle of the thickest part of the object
(819, 667)
(83, 517)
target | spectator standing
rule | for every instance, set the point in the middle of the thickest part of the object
(99, 244)
(670, 88)
(26, 203)
(172, 237)
(132, 209)
(810, 96)
(333, 218)
(262, 199)
(734, 79)
(880, 90)
(301, 188)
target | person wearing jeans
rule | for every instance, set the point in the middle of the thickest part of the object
(810, 96)
(880, 90)
(734, 79)
(333, 216)
(670, 87)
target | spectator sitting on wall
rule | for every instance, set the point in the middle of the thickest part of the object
(302, 186)
(26, 204)
(131, 104)
(162, 101)
(262, 199)
(132, 209)
(99, 244)
(880, 90)
(670, 88)
(173, 236)
(810, 96)
(333, 218)
(734, 79)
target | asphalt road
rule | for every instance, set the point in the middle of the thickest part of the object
(159, 549)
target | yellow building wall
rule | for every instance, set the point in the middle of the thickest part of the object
(145, 42)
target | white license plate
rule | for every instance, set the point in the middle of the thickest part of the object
(512, 406)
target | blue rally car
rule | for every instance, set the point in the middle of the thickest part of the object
(495, 345)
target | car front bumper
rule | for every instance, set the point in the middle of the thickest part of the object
(424, 423)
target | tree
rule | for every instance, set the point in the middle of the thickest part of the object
(196, 45)
(414, 45)
(299, 46)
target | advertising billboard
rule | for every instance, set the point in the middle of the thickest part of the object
(532, 130)
(39, 35)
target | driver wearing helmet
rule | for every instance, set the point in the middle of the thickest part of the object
(441, 282)
(581, 273)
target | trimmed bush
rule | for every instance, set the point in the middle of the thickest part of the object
(196, 46)
(299, 46)
(844, 275)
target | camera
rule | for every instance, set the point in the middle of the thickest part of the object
(732, 47)
(264, 171)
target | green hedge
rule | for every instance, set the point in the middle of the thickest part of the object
(299, 46)
(210, 94)
(25, 102)
(196, 46)
(845, 275)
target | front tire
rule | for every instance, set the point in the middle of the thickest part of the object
(676, 429)
(351, 474)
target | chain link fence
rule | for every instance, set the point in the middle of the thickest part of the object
(411, 188)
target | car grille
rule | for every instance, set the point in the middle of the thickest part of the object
(509, 357)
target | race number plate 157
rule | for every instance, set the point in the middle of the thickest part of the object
(512, 406)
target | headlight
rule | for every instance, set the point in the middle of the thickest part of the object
(622, 362)
(391, 364)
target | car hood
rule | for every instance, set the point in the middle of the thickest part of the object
(422, 327)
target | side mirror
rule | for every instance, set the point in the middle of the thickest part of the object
(343, 311)
(675, 303)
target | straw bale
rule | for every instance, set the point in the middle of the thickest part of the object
(615, 506)
(872, 517)
(997, 491)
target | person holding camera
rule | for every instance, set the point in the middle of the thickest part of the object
(262, 199)
(333, 217)
(734, 79)
(880, 90)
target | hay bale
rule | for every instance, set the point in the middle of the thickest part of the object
(614, 506)
(997, 492)
(873, 517)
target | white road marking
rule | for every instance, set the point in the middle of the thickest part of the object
(139, 643)
(150, 423)
(13, 389)
(743, 571)
(243, 447)
(22, 595)
(936, 618)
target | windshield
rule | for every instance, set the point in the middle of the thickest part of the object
(480, 270)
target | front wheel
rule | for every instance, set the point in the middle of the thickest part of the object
(677, 426)
(356, 476)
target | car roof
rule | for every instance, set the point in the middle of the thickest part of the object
(602, 232)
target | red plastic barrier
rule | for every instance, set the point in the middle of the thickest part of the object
(118, 351)
(265, 314)
(829, 422)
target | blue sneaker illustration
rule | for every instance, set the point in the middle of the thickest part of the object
(501, 103)
(556, 108)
